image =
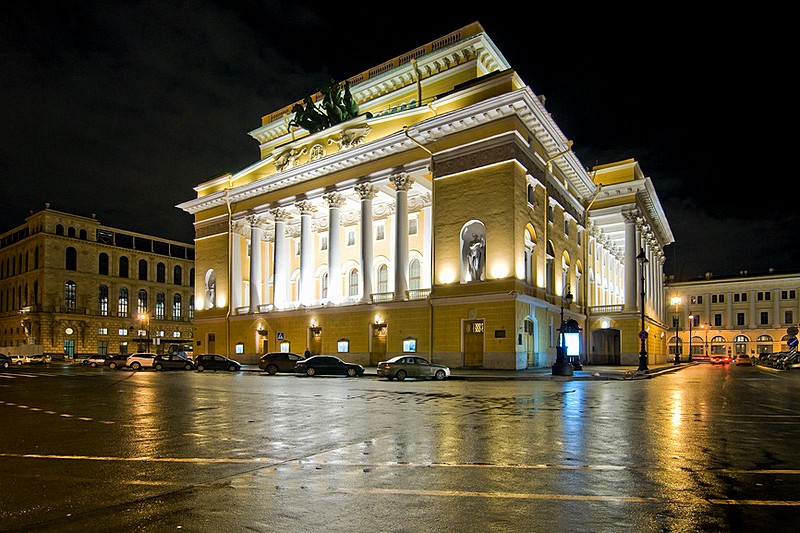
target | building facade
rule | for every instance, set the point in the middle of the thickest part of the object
(448, 216)
(72, 286)
(745, 314)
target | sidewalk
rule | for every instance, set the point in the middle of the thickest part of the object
(589, 372)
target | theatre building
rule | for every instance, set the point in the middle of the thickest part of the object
(71, 286)
(428, 205)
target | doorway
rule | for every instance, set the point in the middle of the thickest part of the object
(378, 351)
(473, 342)
(605, 347)
(315, 340)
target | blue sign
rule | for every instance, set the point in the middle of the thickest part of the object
(792, 342)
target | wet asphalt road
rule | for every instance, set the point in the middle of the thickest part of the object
(708, 448)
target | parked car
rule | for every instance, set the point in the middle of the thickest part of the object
(717, 359)
(274, 362)
(5, 361)
(743, 359)
(170, 361)
(37, 359)
(137, 361)
(116, 361)
(17, 359)
(213, 361)
(318, 365)
(411, 366)
(95, 360)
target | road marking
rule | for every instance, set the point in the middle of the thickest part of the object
(145, 459)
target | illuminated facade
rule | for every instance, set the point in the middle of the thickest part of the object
(449, 217)
(746, 314)
(71, 286)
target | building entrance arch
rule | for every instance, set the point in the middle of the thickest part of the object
(605, 347)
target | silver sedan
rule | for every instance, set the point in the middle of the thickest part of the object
(411, 366)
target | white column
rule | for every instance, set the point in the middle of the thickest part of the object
(366, 192)
(631, 250)
(280, 264)
(402, 183)
(335, 202)
(256, 280)
(236, 269)
(776, 309)
(306, 292)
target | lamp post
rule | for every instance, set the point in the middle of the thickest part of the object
(676, 301)
(642, 333)
(561, 367)
(691, 319)
(706, 327)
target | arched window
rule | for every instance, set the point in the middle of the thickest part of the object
(176, 307)
(123, 267)
(71, 232)
(414, 269)
(122, 303)
(83, 235)
(142, 269)
(141, 302)
(191, 307)
(383, 278)
(324, 286)
(71, 259)
(191, 277)
(59, 229)
(102, 264)
(161, 273)
(352, 283)
(160, 304)
(102, 300)
(177, 276)
(70, 295)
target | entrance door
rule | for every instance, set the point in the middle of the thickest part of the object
(606, 347)
(315, 341)
(473, 343)
(527, 339)
(378, 352)
(211, 343)
(69, 349)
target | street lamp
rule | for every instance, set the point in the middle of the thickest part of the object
(676, 301)
(643, 333)
(707, 327)
(691, 319)
(561, 367)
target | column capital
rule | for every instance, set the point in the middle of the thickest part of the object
(305, 207)
(334, 199)
(366, 191)
(254, 221)
(631, 216)
(280, 214)
(402, 181)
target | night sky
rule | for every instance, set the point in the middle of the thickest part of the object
(121, 108)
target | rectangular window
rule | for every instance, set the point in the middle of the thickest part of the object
(551, 213)
(380, 231)
(351, 237)
(713, 298)
(717, 320)
(412, 226)
(102, 347)
(122, 332)
(722, 298)
(102, 331)
(566, 228)
(760, 296)
(699, 299)
(323, 242)
(788, 317)
(343, 346)
(409, 345)
(297, 247)
(736, 297)
(740, 319)
(744, 296)
(764, 317)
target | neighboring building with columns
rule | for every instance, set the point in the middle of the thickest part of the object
(744, 314)
(448, 218)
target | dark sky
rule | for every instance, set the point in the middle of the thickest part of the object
(121, 108)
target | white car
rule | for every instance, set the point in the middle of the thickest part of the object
(95, 360)
(137, 361)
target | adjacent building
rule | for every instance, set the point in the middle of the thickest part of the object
(447, 215)
(743, 314)
(71, 286)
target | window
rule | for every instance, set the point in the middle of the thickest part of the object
(102, 331)
(343, 346)
(788, 317)
(351, 237)
(566, 228)
(102, 347)
(123, 267)
(414, 275)
(551, 213)
(764, 316)
(239, 347)
(161, 273)
(717, 320)
(160, 306)
(177, 275)
(141, 302)
(531, 197)
(102, 264)
(142, 269)
(383, 278)
(323, 242)
(69, 295)
(324, 286)
(744, 296)
(176, 307)
(122, 303)
(70, 259)
(191, 307)
(764, 295)
(102, 300)
(412, 226)
(740, 319)
(352, 283)
(380, 231)
(122, 332)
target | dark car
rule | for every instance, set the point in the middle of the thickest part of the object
(213, 361)
(5, 361)
(172, 361)
(116, 361)
(319, 365)
(274, 362)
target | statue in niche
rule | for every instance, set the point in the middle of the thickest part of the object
(475, 257)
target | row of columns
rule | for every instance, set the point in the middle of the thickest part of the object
(334, 200)
(639, 237)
